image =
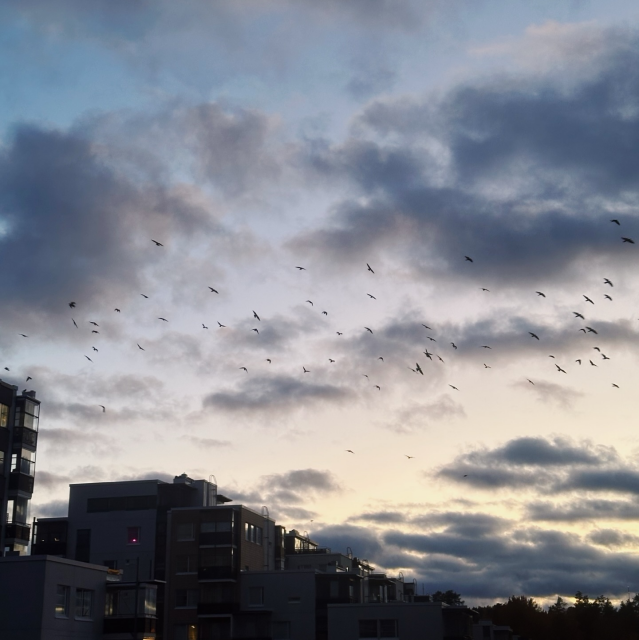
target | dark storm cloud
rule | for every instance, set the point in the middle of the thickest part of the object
(302, 479)
(274, 393)
(383, 517)
(363, 542)
(581, 509)
(530, 170)
(612, 538)
(537, 463)
(52, 509)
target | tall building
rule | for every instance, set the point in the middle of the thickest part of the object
(19, 415)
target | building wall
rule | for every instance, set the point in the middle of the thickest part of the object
(421, 621)
(109, 529)
(28, 598)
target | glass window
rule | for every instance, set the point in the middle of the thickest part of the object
(220, 592)
(83, 603)
(207, 527)
(62, 601)
(388, 628)
(187, 598)
(4, 415)
(368, 628)
(256, 596)
(185, 632)
(185, 531)
(133, 535)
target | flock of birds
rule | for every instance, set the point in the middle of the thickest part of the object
(417, 369)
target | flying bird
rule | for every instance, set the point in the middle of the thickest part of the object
(484, 289)
(485, 346)
(369, 268)
(539, 293)
(256, 316)
(615, 385)
(245, 369)
(452, 387)
(89, 359)
(163, 319)
(616, 221)
(380, 358)
(426, 326)
(214, 290)
(531, 382)
(117, 310)
(365, 375)
(222, 326)
(582, 330)
(559, 368)
(431, 339)
(607, 297)
(597, 349)
(551, 356)
(157, 244)
(591, 330)
(468, 259)
(427, 354)
(592, 363)
(370, 296)
(75, 324)
(331, 360)
(301, 268)
(95, 331)
(204, 326)
(309, 302)
(349, 450)
(23, 335)
(6, 369)
(367, 329)
(606, 281)
(324, 313)
(604, 356)
(578, 315)
(630, 240)
(441, 359)
(103, 408)
(144, 296)
(534, 335)
(256, 331)
(72, 305)
(409, 457)
(28, 378)
(418, 368)
(306, 370)
(94, 323)
(588, 300)
(94, 349)
(378, 387)
(268, 360)
(486, 366)
(339, 333)
(139, 347)
(454, 345)
(578, 360)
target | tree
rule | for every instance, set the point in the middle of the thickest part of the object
(448, 597)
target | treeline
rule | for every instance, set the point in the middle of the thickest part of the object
(586, 619)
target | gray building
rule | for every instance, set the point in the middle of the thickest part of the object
(49, 598)
(19, 417)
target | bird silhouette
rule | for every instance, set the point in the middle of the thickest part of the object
(604, 356)
(578, 360)
(309, 302)
(452, 387)
(468, 259)
(578, 315)
(606, 281)
(301, 268)
(431, 339)
(268, 360)
(369, 268)
(616, 221)
(103, 408)
(365, 375)
(597, 349)
(331, 360)
(380, 358)
(339, 333)
(75, 324)
(256, 331)
(144, 296)
(89, 359)
(157, 244)
(531, 382)
(534, 335)
(245, 369)
(629, 240)
(370, 296)
(409, 457)
(140, 348)
(378, 387)
(539, 293)
(485, 346)
(454, 345)
(441, 359)
(7, 368)
(418, 368)
(367, 329)
(349, 451)
(214, 290)
(427, 354)
(306, 370)
(324, 313)
(163, 319)
(23, 335)
(592, 363)
(204, 326)
(588, 300)
(559, 369)
(591, 330)
(615, 385)
(95, 331)
(94, 323)
(486, 366)
(484, 289)
(118, 310)
(222, 326)
(256, 316)
(72, 305)
(28, 378)
(94, 349)
(426, 326)
(607, 297)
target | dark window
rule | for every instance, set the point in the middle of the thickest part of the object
(256, 596)
(368, 628)
(62, 601)
(187, 597)
(123, 503)
(111, 564)
(186, 564)
(133, 535)
(185, 531)
(83, 603)
(388, 628)
(83, 545)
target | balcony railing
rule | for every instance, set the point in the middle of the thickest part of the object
(20, 482)
(23, 435)
(16, 531)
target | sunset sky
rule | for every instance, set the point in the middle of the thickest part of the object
(253, 137)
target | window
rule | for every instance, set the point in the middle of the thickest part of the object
(378, 628)
(133, 535)
(252, 533)
(83, 545)
(281, 630)
(256, 596)
(4, 415)
(83, 603)
(185, 632)
(186, 564)
(217, 593)
(185, 531)
(62, 594)
(187, 598)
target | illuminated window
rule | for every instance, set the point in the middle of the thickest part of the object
(62, 601)
(4, 415)
(133, 535)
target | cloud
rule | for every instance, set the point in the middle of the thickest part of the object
(275, 393)
(583, 510)
(52, 509)
(420, 416)
(210, 443)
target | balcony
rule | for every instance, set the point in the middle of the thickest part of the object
(21, 482)
(18, 532)
(25, 436)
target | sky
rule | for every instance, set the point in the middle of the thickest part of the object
(474, 155)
